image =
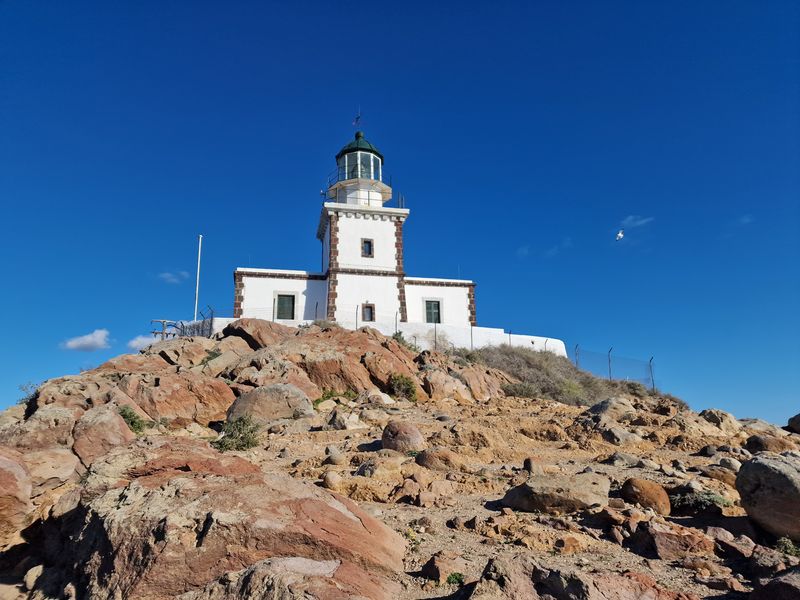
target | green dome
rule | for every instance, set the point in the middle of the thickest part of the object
(360, 143)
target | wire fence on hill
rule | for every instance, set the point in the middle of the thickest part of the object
(611, 366)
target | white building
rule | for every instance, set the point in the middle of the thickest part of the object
(363, 280)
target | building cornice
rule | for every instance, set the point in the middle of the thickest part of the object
(358, 211)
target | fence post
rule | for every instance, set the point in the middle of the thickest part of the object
(435, 338)
(273, 309)
(509, 338)
(395, 323)
(609, 362)
(471, 345)
(652, 376)
(577, 365)
(356, 316)
(316, 311)
(545, 343)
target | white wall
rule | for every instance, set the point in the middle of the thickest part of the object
(354, 227)
(354, 290)
(454, 301)
(259, 293)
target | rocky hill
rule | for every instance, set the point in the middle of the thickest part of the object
(324, 463)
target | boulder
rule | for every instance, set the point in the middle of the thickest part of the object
(648, 494)
(49, 426)
(271, 403)
(669, 541)
(439, 459)
(794, 424)
(51, 468)
(443, 564)
(265, 366)
(12, 415)
(257, 332)
(403, 437)
(183, 351)
(725, 421)
(785, 586)
(769, 443)
(180, 397)
(342, 419)
(98, 430)
(15, 494)
(439, 385)
(171, 516)
(556, 494)
(769, 487)
(73, 392)
(523, 577)
(613, 409)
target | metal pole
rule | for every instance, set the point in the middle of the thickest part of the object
(545, 343)
(577, 366)
(652, 376)
(197, 282)
(395, 323)
(509, 338)
(471, 345)
(609, 362)
(356, 316)
(435, 338)
(273, 309)
(316, 311)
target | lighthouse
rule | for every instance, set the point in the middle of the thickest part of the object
(363, 281)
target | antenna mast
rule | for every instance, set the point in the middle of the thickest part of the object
(197, 282)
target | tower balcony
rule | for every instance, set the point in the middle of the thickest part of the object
(354, 172)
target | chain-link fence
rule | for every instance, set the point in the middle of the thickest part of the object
(612, 366)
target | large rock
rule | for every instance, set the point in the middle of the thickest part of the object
(15, 494)
(440, 459)
(172, 516)
(785, 586)
(184, 351)
(272, 403)
(647, 494)
(49, 426)
(264, 366)
(515, 578)
(98, 430)
(725, 421)
(556, 494)
(180, 398)
(769, 443)
(670, 541)
(439, 385)
(403, 437)
(794, 424)
(257, 332)
(614, 409)
(74, 392)
(769, 487)
(51, 468)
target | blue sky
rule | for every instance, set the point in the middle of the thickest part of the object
(521, 134)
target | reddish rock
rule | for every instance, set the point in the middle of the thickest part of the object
(51, 468)
(271, 403)
(97, 431)
(257, 332)
(49, 426)
(173, 516)
(670, 541)
(403, 437)
(647, 494)
(133, 363)
(78, 391)
(439, 385)
(443, 564)
(558, 494)
(769, 487)
(15, 494)
(769, 443)
(183, 351)
(182, 397)
(439, 459)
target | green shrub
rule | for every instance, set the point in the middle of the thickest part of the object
(210, 355)
(239, 434)
(400, 339)
(787, 546)
(455, 578)
(134, 422)
(402, 386)
(698, 502)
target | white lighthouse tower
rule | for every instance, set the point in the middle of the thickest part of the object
(362, 239)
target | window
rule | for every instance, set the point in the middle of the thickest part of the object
(433, 313)
(367, 248)
(285, 306)
(367, 312)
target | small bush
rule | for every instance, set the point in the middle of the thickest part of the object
(29, 391)
(134, 422)
(210, 355)
(239, 434)
(325, 324)
(698, 502)
(402, 386)
(400, 339)
(787, 546)
(455, 578)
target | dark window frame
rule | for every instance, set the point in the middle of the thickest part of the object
(278, 297)
(364, 308)
(371, 253)
(438, 303)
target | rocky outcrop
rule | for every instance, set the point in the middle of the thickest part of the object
(725, 421)
(179, 516)
(769, 486)
(270, 403)
(785, 586)
(15, 494)
(794, 424)
(557, 494)
(669, 541)
(98, 431)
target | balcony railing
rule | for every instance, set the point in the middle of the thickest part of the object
(356, 172)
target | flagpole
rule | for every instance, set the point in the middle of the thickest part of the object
(197, 282)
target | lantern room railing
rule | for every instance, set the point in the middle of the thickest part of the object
(356, 172)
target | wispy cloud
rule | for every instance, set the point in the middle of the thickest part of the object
(97, 340)
(141, 341)
(632, 221)
(558, 248)
(745, 220)
(173, 278)
(523, 251)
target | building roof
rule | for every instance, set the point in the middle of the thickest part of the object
(359, 143)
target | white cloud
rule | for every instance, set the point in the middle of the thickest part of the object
(97, 340)
(632, 221)
(745, 220)
(141, 341)
(523, 251)
(173, 277)
(562, 245)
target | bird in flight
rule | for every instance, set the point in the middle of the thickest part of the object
(620, 234)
